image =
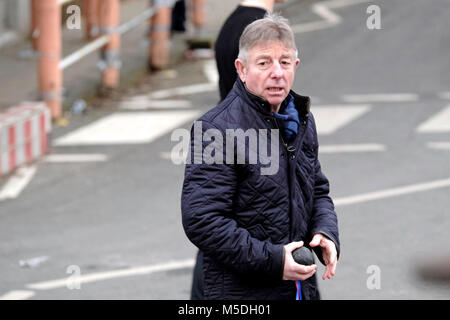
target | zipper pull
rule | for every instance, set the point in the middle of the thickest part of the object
(290, 148)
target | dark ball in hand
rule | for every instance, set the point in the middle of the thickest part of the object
(303, 255)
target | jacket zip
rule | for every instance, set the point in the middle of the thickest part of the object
(291, 155)
(288, 175)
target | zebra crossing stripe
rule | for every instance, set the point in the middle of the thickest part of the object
(440, 122)
(331, 118)
(127, 128)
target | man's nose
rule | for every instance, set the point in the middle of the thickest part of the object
(276, 71)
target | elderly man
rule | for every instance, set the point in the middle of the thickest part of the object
(248, 223)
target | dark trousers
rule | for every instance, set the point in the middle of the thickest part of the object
(179, 16)
(197, 279)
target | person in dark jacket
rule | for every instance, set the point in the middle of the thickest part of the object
(226, 51)
(247, 215)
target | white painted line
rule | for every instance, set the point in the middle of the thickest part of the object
(17, 295)
(67, 158)
(183, 91)
(394, 192)
(380, 97)
(438, 123)
(146, 103)
(128, 128)
(330, 118)
(17, 183)
(346, 148)
(445, 95)
(323, 10)
(439, 145)
(100, 276)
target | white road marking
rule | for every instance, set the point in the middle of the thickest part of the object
(323, 10)
(99, 276)
(17, 183)
(128, 128)
(380, 97)
(17, 295)
(330, 118)
(438, 123)
(345, 148)
(67, 158)
(439, 145)
(145, 103)
(394, 192)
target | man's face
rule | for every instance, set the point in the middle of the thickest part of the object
(269, 72)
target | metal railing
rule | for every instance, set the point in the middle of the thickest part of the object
(104, 14)
(100, 42)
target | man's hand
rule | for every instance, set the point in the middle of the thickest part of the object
(293, 270)
(329, 253)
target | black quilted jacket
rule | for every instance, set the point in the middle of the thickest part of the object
(241, 219)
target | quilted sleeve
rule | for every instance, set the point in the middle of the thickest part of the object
(207, 215)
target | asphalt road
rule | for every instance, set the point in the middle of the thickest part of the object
(116, 220)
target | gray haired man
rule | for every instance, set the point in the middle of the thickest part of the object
(247, 224)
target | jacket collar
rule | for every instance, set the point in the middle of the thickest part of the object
(302, 103)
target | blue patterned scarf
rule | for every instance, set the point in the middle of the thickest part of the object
(290, 119)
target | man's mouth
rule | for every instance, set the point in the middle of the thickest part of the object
(275, 89)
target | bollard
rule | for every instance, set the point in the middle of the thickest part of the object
(110, 63)
(198, 13)
(91, 17)
(159, 37)
(49, 46)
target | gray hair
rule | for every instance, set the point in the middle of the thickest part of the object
(273, 27)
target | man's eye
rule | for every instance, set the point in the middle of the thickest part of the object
(262, 64)
(286, 63)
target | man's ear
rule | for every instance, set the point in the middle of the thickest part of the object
(241, 69)
(297, 62)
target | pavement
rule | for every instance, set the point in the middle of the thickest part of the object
(100, 217)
